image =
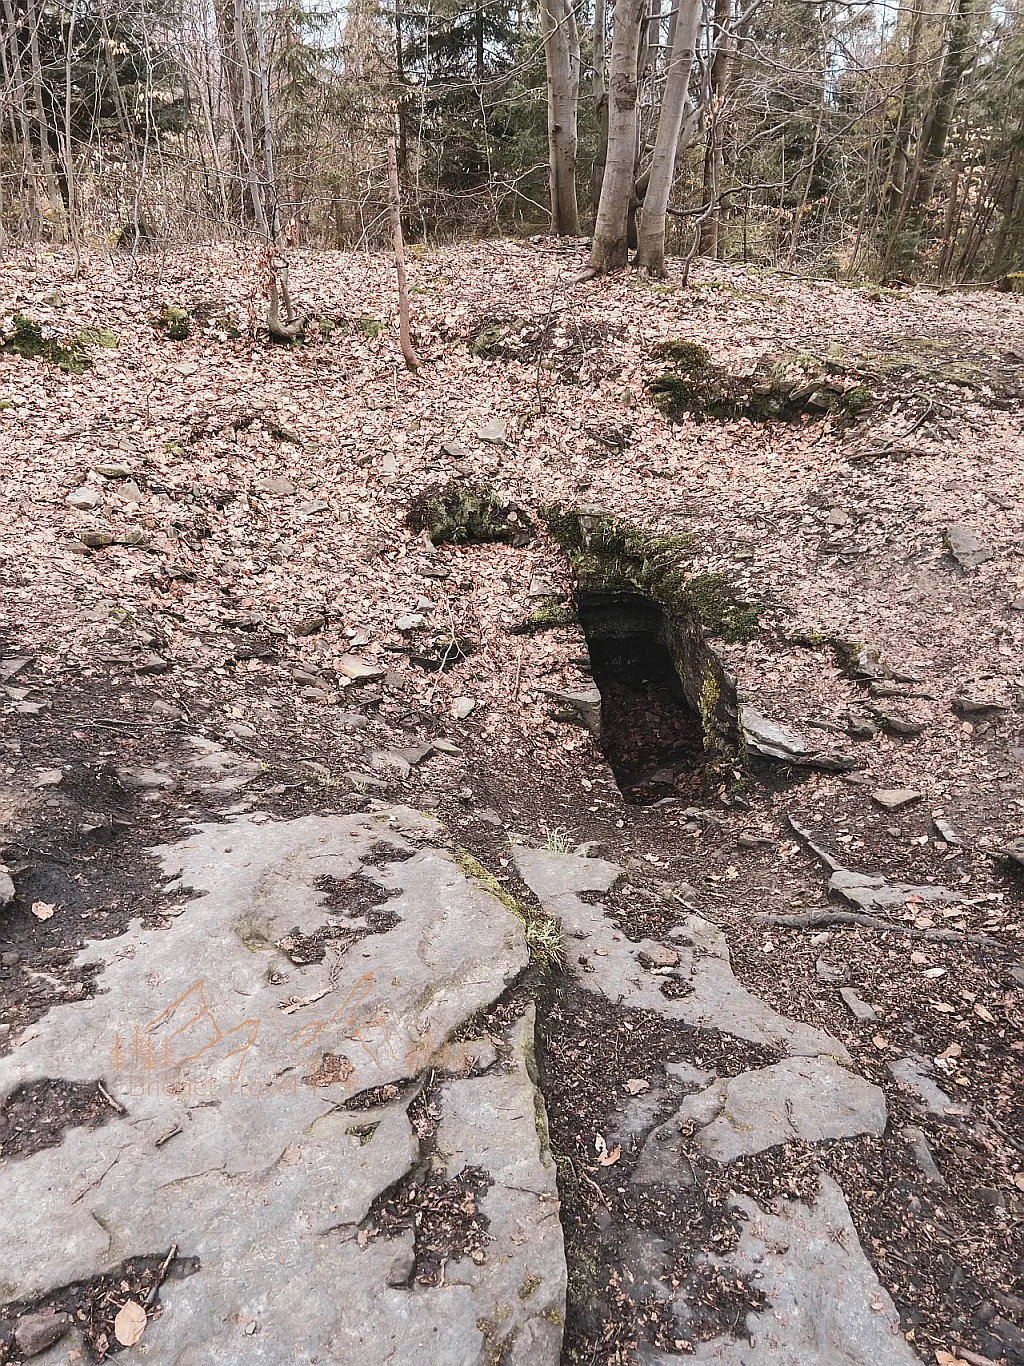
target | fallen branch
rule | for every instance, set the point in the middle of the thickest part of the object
(812, 920)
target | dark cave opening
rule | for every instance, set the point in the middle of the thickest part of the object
(650, 734)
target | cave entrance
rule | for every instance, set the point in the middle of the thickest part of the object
(650, 733)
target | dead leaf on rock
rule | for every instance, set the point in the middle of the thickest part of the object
(953, 1051)
(291, 1155)
(635, 1085)
(130, 1323)
(948, 1359)
(609, 1159)
(42, 910)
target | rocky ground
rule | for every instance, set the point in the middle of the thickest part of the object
(348, 1006)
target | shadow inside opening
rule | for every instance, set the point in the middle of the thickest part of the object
(651, 736)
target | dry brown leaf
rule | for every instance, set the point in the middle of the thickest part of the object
(130, 1323)
(635, 1085)
(953, 1051)
(609, 1159)
(291, 1155)
(943, 1007)
(983, 1013)
(42, 910)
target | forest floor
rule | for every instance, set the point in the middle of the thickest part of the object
(243, 533)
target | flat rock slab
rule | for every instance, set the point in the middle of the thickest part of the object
(871, 892)
(965, 547)
(716, 999)
(211, 1032)
(826, 1305)
(805, 1099)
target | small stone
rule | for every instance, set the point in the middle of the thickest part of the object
(365, 782)
(11, 958)
(389, 465)
(276, 486)
(389, 761)
(96, 540)
(838, 517)
(113, 469)
(658, 956)
(318, 505)
(84, 499)
(240, 731)
(145, 779)
(309, 626)
(352, 720)
(359, 636)
(455, 449)
(151, 664)
(415, 754)
(861, 727)
(976, 708)
(540, 588)
(446, 747)
(412, 621)
(424, 604)
(130, 492)
(838, 971)
(312, 694)
(359, 670)
(895, 798)
(1017, 605)
(494, 431)
(747, 839)
(49, 777)
(463, 707)
(858, 1008)
(35, 1332)
(923, 1154)
(945, 831)
(965, 547)
(7, 890)
(766, 738)
(895, 723)
(187, 368)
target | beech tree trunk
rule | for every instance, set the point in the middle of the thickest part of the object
(651, 252)
(714, 156)
(562, 59)
(599, 62)
(610, 250)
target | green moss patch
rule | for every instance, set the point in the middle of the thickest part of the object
(174, 323)
(23, 336)
(782, 388)
(455, 513)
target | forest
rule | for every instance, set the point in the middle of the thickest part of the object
(872, 139)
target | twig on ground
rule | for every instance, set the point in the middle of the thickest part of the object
(114, 1104)
(161, 1276)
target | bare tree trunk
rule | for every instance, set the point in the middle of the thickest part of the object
(936, 130)
(45, 155)
(651, 253)
(14, 80)
(412, 361)
(562, 59)
(248, 140)
(599, 61)
(610, 250)
(69, 157)
(714, 156)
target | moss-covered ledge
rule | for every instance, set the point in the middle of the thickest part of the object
(622, 564)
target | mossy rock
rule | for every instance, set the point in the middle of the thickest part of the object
(784, 387)
(174, 323)
(24, 337)
(456, 513)
(1013, 283)
(547, 617)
